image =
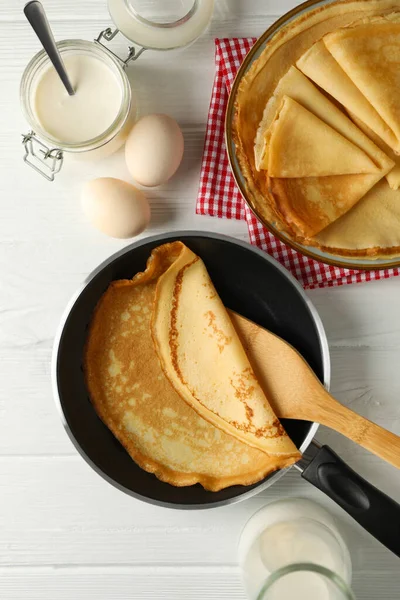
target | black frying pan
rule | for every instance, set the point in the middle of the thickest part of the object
(254, 285)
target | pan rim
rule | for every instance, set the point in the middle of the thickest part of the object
(163, 238)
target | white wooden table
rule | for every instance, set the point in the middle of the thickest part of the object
(65, 534)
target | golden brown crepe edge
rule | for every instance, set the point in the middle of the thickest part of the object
(375, 253)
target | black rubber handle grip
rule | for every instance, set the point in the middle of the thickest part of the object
(371, 508)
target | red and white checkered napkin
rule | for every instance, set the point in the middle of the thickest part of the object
(219, 197)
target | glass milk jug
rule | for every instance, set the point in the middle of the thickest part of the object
(292, 549)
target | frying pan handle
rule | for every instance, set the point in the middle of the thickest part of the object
(371, 508)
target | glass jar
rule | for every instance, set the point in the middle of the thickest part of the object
(161, 24)
(283, 545)
(44, 152)
(305, 581)
(152, 25)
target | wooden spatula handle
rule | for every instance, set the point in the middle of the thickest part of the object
(295, 392)
(370, 436)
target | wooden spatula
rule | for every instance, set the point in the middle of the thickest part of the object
(295, 392)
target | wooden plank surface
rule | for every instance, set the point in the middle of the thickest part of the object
(64, 532)
(177, 584)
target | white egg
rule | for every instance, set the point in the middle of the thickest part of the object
(115, 207)
(154, 149)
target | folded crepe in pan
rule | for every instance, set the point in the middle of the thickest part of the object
(203, 358)
(322, 68)
(133, 397)
(369, 53)
(298, 87)
(302, 145)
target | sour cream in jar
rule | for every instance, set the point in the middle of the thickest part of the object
(97, 119)
(87, 114)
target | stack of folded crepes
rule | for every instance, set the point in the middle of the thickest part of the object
(359, 66)
(167, 373)
(325, 162)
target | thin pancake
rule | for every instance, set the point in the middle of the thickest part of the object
(131, 394)
(302, 145)
(297, 86)
(351, 235)
(320, 66)
(203, 358)
(369, 53)
(310, 204)
(393, 177)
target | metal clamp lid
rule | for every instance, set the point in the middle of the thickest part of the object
(46, 161)
(108, 35)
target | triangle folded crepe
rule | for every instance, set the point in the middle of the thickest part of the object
(204, 360)
(369, 53)
(302, 145)
(322, 68)
(136, 401)
(370, 228)
(310, 204)
(298, 87)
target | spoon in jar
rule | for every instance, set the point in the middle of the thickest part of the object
(36, 16)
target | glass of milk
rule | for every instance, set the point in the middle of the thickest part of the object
(293, 549)
(305, 581)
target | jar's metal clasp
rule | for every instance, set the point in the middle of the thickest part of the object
(108, 35)
(46, 161)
